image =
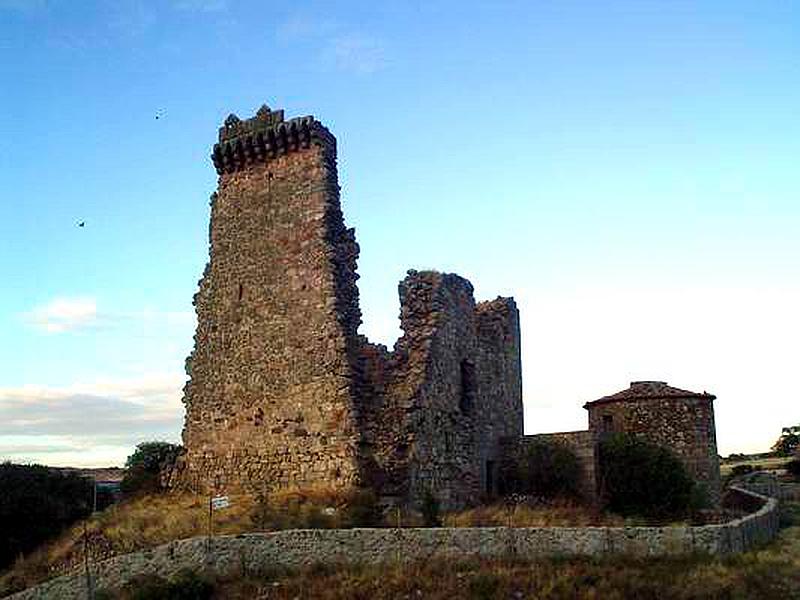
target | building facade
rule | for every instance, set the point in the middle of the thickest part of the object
(283, 392)
(677, 419)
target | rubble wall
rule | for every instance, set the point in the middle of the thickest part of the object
(270, 397)
(684, 425)
(584, 445)
(232, 556)
(437, 405)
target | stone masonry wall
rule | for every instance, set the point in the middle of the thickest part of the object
(270, 401)
(685, 425)
(283, 392)
(436, 407)
(583, 444)
(237, 555)
(499, 412)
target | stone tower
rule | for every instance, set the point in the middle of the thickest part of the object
(270, 395)
(284, 393)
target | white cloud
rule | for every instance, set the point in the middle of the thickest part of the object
(65, 314)
(88, 424)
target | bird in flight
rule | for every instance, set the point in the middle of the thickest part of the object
(81, 223)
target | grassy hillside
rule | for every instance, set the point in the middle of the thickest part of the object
(770, 573)
(153, 520)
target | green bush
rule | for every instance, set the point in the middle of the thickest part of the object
(431, 510)
(793, 468)
(542, 468)
(143, 467)
(644, 479)
(788, 442)
(36, 503)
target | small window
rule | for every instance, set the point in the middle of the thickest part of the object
(468, 387)
(608, 423)
(241, 292)
(489, 489)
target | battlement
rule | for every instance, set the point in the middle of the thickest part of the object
(264, 137)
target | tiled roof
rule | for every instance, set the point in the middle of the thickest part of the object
(649, 390)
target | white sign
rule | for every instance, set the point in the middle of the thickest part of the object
(219, 502)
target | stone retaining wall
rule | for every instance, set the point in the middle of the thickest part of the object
(241, 554)
(766, 483)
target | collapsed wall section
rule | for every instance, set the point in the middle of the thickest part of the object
(270, 398)
(437, 406)
(284, 393)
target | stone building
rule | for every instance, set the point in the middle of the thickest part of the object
(680, 420)
(284, 392)
(676, 419)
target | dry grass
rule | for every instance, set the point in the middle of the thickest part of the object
(770, 573)
(149, 521)
(134, 525)
(773, 572)
(775, 463)
(559, 513)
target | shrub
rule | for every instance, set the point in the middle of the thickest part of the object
(545, 469)
(793, 468)
(431, 510)
(36, 503)
(641, 478)
(143, 467)
(788, 442)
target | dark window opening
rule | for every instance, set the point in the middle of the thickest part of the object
(608, 424)
(468, 387)
(490, 487)
(241, 292)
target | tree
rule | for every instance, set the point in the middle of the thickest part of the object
(641, 478)
(430, 509)
(143, 467)
(788, 442)
(37, 503)
(793, 468)
(542, 468)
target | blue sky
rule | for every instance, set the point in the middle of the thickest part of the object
(626, 170)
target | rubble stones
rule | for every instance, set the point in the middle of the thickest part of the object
(283, 392)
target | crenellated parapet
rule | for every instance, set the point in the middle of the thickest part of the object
(265, 136)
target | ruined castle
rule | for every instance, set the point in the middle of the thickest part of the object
(283, 391)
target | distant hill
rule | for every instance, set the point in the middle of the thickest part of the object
(108, 474)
